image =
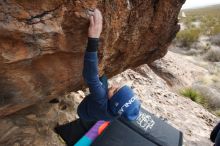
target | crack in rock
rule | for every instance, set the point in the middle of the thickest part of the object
(41, 17)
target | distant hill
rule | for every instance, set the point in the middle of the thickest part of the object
(205, 7)
(210, 10)
(208, 15)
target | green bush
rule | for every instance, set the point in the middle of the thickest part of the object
(193, 95)
(187, 37)
(197, 97)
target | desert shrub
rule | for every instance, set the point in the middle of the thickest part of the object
(209, 18)
(215, 39)
(188, 21)
(217, 42)
(215, 30)
(187, 37)
(194, 95)
(217, 112)
(213, 55)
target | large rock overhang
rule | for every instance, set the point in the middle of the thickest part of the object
(42, 43)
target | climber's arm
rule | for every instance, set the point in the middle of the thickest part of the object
(90, 70)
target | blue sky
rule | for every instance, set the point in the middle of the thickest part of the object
(199, 3)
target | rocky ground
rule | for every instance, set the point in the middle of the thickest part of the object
(204, 53)
(155, 85)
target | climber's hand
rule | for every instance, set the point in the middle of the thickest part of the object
(95, 27)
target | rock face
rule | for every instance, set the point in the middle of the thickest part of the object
(176, 72)
(34, 125)
(42, 43)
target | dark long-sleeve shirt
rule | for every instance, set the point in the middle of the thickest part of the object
(95, 105)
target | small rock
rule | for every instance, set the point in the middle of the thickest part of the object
(81, 93)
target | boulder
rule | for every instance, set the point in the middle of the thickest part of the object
(177, 71)
(42, 43)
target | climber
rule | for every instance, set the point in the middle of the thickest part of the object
(103, 103)
(215, 135)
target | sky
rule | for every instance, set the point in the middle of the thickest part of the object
(199, 3)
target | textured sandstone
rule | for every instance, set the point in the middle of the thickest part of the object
(42, 43)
